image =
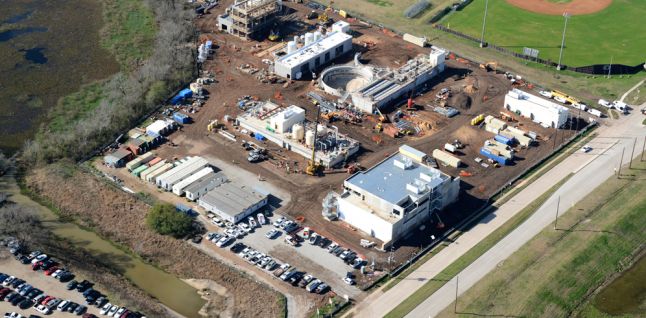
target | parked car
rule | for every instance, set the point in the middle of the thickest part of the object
(273, 233)
(119, 312)
(237, 247)
(112, 311)
(43, 310)
(278, 222)
(8, 280)
(321, 288)
(105, 309)
(100, 302)
(311, 287)
(72, 306)
(224, 241)
(586, 148)
(26, 303)
(63, 305)
(80, 310)
(306, 280)
(16, 300)
(72, 285)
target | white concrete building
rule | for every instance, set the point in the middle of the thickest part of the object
(317, 50)
(537, 109)
(233, 203)
(393, 198)
(396, 84)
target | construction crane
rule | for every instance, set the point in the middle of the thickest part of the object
(313, 167)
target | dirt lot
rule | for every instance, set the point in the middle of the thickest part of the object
(475, 91)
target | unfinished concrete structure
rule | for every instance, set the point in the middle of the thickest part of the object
(248, 18)
(287, 127)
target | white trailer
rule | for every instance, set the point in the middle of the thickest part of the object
(181, 172)
(179, 187)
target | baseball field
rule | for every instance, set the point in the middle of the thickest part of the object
(612, 31)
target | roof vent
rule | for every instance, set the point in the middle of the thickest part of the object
(403, 163)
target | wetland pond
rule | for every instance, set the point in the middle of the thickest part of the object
(48, 49)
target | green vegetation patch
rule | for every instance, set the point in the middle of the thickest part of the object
(75, 106)
(469, 257)
(166, 220)
(590, 39)
(638, 96)
(381, 3)
(555, 274)
(129, 31)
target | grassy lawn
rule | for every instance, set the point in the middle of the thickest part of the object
(555, 274)
(638, 96)
(590, 39)
(448, 273)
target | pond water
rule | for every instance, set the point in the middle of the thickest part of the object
(627, 293)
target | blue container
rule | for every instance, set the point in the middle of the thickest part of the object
(259, 137)
(505, 140)
(186, 210)
(181, 118)
(209, 45)
(499, 159)
(182, 95)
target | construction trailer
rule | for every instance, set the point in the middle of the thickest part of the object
(143, 159)
(182, 171)
(152, 176)
(287, 127)
(233, 203)
(316, 51)
(391, 200)
(118, 158)
(250, 19)
(206, 184)
(179, 187)
(152, 169)
(539, 110)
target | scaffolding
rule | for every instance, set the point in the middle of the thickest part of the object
(252, 16)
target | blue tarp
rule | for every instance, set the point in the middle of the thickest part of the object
(181, 118)
(182, 95)
(259, 137)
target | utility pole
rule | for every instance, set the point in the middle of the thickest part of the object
(632, 154)
(558, 204)
(455, 304)
(610, 66)
(484, 23)
(620, 161)
(566, 16)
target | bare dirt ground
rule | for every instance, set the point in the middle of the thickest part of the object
(485, 94)
(120, 217)
(475, 92)
(574, 7)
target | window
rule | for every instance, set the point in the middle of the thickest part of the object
(327, 57)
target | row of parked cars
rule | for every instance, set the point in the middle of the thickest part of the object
(241, 229)
(23, 295)
(47, 304)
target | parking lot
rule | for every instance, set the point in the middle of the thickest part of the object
(305, 257)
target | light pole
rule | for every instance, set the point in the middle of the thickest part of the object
(566, 16)
(484, 23)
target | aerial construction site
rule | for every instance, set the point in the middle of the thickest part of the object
(372, 142)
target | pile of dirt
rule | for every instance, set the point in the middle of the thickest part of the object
(120, 217)
(460, 100)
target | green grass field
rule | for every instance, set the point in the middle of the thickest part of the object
(590, 39)
(558, 271)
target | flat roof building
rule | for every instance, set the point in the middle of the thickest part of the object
(206, 184)
(540, 110)
(317, 50)
(393, 198)
(233, 203)
(118, 158)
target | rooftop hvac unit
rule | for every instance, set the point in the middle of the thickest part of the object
(403, 163)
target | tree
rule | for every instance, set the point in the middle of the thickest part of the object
(166, 220)
(19, 222)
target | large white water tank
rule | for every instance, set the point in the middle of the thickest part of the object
(309, 138)
(291, 47)
(321, 130)
(296, 39)
(317, 36)
(309, 38)
(298, 132)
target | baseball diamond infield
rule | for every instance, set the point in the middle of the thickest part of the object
(573, 7)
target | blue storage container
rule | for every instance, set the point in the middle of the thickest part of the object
(182, 95)
(503, 139)
(259, 137)
(181, 118)
(186, 210)
(499, 159)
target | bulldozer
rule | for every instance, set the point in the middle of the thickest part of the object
(489, 66)
(273, 36)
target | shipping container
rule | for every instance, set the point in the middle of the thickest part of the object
(181, 118)
(154, 161)
(419, 41)
(504, 139)
(140, 161)
(495, 157)
(447, 158)
(153, 168)
(450, 148)
(139, 170)
(259, 137)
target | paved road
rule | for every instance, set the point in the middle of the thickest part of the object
(590, 172)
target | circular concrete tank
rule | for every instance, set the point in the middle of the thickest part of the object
(337, 80)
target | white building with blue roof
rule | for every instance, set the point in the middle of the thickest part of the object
(391, 200)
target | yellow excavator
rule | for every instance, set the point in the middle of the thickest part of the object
(314, 168)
